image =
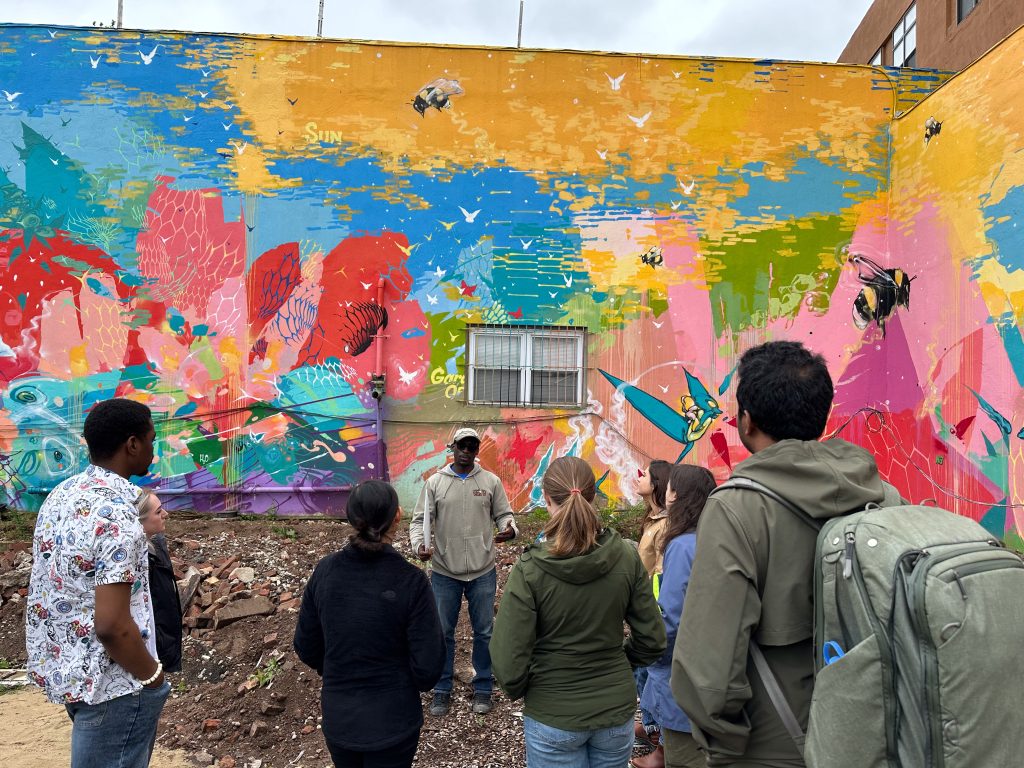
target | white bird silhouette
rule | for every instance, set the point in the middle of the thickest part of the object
(431, 299)
(439, 273)
(568, 280)
(203, 94)
(226, 126)
(470, 217)
(552, 294)
(239, 148)
(602, 154)
(95, 62)
(615, 82)
(639, 121)
(687, 188)
(676, 74)
(407, 377)
(148, 59)
(186, 118)
(657, 324)
(676, 204)
(526, 244)
(366, 286)
(11, 96)
(53, 33)
(664, 388)
(55, 160)
(206, 72)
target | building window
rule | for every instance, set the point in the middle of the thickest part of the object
(516, 365)
(964, 7)
(876, 60)
(904, 40)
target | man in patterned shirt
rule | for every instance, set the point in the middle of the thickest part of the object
(89, 625)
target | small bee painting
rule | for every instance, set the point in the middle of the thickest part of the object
(883, 291)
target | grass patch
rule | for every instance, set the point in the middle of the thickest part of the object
(16, 525)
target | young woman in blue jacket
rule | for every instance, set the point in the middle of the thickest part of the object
(688, 489)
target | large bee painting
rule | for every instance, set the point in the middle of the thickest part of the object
(436, 94)
(883, 291)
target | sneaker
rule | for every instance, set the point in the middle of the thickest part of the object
(481, 703)
(441, 704)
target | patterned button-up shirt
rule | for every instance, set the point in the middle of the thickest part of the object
(87, 535)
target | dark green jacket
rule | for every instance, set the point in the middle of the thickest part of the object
(753, 576)
(558, 636)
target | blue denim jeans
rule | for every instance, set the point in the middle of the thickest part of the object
(119, 733)
(479, 594)
(646, 718)
(548, 747)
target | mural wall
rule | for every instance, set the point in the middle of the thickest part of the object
(241, 231)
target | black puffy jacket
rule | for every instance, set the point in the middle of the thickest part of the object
(166, 606)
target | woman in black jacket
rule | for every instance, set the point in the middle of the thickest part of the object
(163, 587)
(368, 625)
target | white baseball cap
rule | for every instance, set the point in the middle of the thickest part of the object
(463, 433)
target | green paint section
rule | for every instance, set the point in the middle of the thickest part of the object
(758, 277)
(994, 521)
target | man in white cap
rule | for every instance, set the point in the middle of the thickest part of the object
(463, 505)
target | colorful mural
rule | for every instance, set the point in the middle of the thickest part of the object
(241, 232)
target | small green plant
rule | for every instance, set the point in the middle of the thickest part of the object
(284, 531)
(5, 664)
(266, 672)
(181, 687)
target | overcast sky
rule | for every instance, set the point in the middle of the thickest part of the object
(810, 30)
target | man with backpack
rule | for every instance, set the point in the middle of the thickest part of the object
(752, 577)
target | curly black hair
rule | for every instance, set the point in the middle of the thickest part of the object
(786, 389)
(111, 422)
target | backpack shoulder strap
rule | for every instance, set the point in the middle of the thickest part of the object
(782, 707)
(752, 485)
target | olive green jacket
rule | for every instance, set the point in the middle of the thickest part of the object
(753, 577)
(558, 636)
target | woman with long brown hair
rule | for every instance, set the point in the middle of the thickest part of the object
(558, 634)
(688, 490)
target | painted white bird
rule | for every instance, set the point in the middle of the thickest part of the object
(206, 72)
(639, 121)
(407, 377)
(95, 62)
(439, 273)
(470, 217)
(52, 32)
(615, 82)
(568, 280)
(11, 96)
(676, 204)
(226, 126)
(366, 286)
(431, 299)
(687, 188)
(602, 154)
(676, 74)
(239, 148)
(147, 59)
(526, 244)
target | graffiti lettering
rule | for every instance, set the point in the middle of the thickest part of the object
(455, 382)
(314, 136)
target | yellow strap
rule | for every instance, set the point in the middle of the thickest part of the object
(656, 581)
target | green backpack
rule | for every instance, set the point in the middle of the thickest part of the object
(919, 642)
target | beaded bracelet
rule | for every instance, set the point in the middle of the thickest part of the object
(151, 680)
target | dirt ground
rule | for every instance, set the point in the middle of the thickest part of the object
(37, 734)
(243, 699)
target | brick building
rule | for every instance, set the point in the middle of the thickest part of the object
(934, 34)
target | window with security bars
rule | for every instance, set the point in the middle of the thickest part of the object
(517, 365)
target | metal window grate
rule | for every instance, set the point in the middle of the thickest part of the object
(525, 365)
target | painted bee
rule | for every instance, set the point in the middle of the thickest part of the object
(653, 257)
(883, 291)
(436, 94)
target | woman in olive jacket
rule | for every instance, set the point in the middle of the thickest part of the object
(558, 637)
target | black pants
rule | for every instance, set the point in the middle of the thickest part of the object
(398, 755)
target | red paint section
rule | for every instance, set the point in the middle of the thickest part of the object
(187, 247)
(30, 275)
(721, 445)
(271, 279)
(523, 449)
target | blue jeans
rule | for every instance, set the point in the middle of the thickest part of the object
(646, 718)
(119, 733)
(479, 594)
(548, 747)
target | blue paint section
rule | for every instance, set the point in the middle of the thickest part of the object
(1005, 231)
(994, 520)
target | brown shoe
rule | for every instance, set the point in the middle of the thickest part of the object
(655, 759)
(643, 738)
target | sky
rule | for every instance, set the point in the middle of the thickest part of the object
(807, 30)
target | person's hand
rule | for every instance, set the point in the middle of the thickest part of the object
(424, 554)
(507, 535)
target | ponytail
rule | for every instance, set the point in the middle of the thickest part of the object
(573, 531)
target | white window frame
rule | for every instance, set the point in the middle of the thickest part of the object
(906, 28)
(527, 334)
